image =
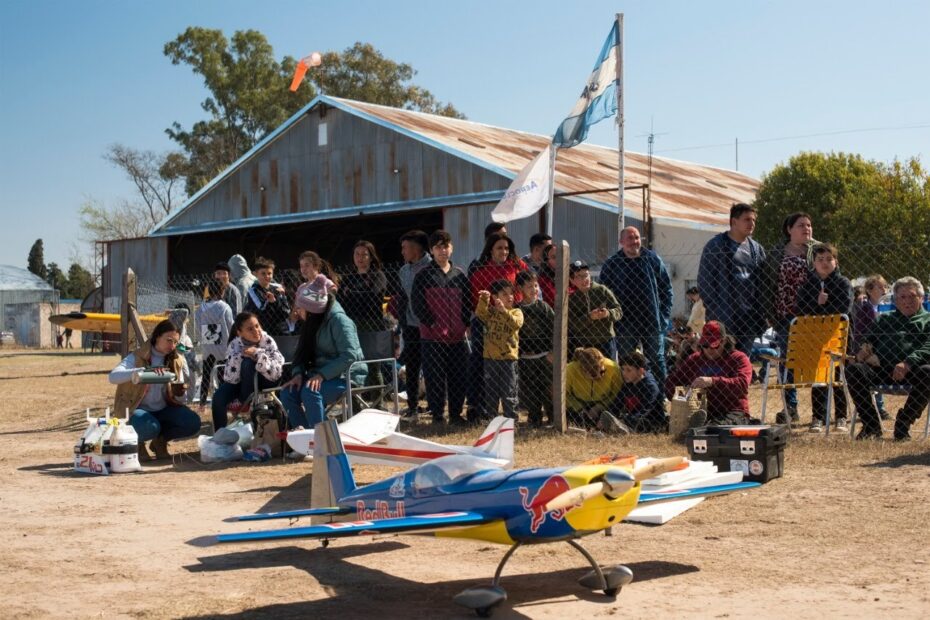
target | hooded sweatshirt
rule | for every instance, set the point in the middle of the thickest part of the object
(214, 319)
(240, 275)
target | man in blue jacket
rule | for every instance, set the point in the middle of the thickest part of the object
(641, 283)
(730, 277)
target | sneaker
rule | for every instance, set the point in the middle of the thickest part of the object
(816, 426)
(841, 425)
(793, 411)
(884, 415)
(610, 424)
(781, 418)
(697, 419)
(869, 433)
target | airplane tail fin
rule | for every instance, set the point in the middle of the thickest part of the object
(497, 440)
(332, 477)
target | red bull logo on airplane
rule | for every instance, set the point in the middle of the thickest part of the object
(550, 488)
(381, 510)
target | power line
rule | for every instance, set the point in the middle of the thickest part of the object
(783, 138)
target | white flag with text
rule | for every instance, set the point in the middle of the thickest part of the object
(528, 192)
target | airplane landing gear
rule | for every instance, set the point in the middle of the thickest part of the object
(610, 582)
(484, 599)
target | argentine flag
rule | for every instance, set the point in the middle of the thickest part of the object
(598, 99)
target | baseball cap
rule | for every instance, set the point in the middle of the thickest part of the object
(712, 334)
(576, 266)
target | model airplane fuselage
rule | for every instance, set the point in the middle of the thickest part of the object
(370, 437)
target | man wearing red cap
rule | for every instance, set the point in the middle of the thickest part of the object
(720, 369)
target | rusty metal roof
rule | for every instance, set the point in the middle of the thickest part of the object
(680, 190)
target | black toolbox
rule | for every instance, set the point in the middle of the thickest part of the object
(757, 451)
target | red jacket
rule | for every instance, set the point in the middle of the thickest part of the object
(732, 374)
(490, 271)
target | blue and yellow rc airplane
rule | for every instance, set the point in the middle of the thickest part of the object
(463, 496)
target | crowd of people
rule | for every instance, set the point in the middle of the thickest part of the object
(481, 334)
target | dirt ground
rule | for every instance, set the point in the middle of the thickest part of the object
(845, 533)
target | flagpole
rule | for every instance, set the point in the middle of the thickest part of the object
(621, 223)
(550, 209)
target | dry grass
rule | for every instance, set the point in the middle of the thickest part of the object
(844, 533)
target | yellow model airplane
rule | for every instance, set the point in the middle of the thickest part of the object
(100, 322)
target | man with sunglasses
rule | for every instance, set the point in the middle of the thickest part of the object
(722, 370)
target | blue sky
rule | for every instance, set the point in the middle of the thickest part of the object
(76, 76)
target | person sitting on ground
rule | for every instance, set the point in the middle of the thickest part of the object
(250, 351)
(592, 383)
(328, 345)
(825, 291)
(157, 412)
(640, 397)
(895, 350)
(720, 369)
(267, 299)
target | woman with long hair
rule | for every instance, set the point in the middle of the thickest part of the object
(156, 409)
(328, 345)
(787, 266)
(250, 352)
(498, 261)
(361, 294)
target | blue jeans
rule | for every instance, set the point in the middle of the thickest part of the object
(172, 422)
(305, 407)
(228, 392)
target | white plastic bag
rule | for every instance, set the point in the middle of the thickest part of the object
(244, 429)
(212, 452)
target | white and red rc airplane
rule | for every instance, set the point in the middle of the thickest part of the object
(370, 437)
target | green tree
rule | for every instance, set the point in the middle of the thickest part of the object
(877, 214)
(36, 260)
(80, 282)
(56, 277)
(249, 94)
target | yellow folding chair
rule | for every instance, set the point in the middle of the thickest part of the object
(816, 352)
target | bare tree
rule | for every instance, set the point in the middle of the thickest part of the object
(157, 177)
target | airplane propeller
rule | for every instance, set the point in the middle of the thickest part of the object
(616, 482)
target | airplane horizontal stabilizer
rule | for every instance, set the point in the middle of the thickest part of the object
(678, 493)
(292, 514)
(398, 525)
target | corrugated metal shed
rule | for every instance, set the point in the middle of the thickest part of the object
(680, 190)
(328, 162)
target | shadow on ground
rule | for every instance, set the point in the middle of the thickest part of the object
(349, 585)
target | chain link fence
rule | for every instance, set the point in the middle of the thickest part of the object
(466, 354)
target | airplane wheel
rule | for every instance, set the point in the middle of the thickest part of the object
(325, 543)
(611, 591)
(484, 612)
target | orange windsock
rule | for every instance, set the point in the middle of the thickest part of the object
(299, 72)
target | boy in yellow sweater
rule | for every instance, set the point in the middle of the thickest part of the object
(502, 324)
